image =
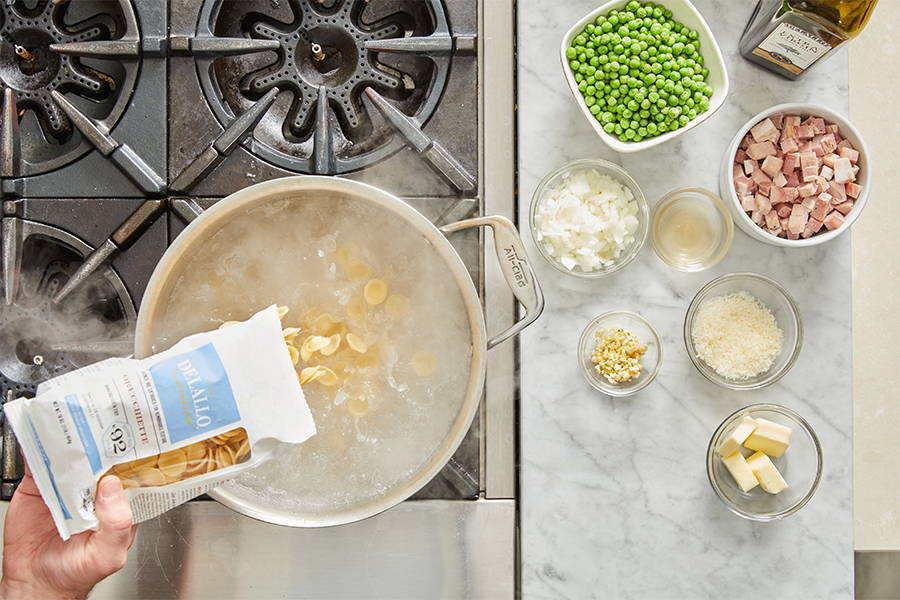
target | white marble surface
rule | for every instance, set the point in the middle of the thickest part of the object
(615, 500)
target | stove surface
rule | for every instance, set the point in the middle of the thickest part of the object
(108, 104)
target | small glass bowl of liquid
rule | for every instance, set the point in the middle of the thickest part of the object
(691, 229)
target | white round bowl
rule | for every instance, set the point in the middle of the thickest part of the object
(685, 13)
(742, 219)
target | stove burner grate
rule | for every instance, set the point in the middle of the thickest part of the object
(73, 48)
(324, 56)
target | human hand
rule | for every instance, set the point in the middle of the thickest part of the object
(38, 564)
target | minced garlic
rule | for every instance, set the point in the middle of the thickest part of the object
(617, 355)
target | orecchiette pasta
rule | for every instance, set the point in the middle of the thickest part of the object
(218, 452)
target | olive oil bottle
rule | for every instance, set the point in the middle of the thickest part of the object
(791, 36)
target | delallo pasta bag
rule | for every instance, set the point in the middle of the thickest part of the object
(171, 426)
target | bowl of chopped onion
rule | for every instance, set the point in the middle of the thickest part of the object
(620, 353)
(589, 218)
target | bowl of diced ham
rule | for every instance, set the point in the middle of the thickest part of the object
(796, 175)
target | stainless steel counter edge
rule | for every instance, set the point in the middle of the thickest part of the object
(419, 549)
(497, 68)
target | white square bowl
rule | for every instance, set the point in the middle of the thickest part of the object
(685, 13)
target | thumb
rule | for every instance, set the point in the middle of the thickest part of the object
(109, 545)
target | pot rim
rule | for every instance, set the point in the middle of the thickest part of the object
(223, 211)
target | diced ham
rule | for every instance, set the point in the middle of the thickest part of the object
(771, 166)
(791, 162)
(807, 189)
(779, 180)
(797, 220)
(796, 174)
(812, 227)
(777, 195)
(837, 192)
(750, 165)
(822, 208)
(748, 203)
(765, 130)
(844, 208)
(828, 143)
(791, 193)
(843, 171)
(744, 185)
(761, 150)
(849, 153)
(853, 190)
(788, 144)
(834, 220)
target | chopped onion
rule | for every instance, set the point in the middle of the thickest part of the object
(587, 221)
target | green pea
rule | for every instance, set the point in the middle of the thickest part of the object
(652, 129)
(571, 53)
(574, 64)
(594, 108)
(609, 127)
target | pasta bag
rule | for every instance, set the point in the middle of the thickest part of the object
(172, 426)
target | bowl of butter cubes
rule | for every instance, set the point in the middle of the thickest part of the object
(764, 462)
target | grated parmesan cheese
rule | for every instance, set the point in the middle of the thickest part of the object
(736, 335)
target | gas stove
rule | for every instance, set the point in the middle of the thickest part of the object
(122, 120)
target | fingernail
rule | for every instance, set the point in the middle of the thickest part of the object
(110, 487)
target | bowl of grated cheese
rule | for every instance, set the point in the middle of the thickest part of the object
(589, 218)
(743, 331)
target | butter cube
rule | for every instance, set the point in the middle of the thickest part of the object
(740, 470)
(733, 442)
(769, 437)
(767, 473)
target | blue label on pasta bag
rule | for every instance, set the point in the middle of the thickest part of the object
(195, 393)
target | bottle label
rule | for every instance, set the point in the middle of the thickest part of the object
(792, 48)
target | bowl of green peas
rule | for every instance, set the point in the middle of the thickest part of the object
(643, 72)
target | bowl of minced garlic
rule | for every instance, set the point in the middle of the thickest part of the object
(620, 353)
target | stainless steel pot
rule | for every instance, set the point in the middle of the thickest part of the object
(514, 265)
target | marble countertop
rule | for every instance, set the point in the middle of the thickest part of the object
(615, 500)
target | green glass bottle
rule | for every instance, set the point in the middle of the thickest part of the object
(789, 37)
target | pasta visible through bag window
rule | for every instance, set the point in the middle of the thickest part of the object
(218, 452)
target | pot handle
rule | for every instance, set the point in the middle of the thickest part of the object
(515, 267)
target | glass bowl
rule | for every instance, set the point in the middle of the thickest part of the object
(643, 331)
(783, 307)
(604, 167)
(679, 209)
(800, 465)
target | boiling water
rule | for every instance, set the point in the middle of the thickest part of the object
(297, 253)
